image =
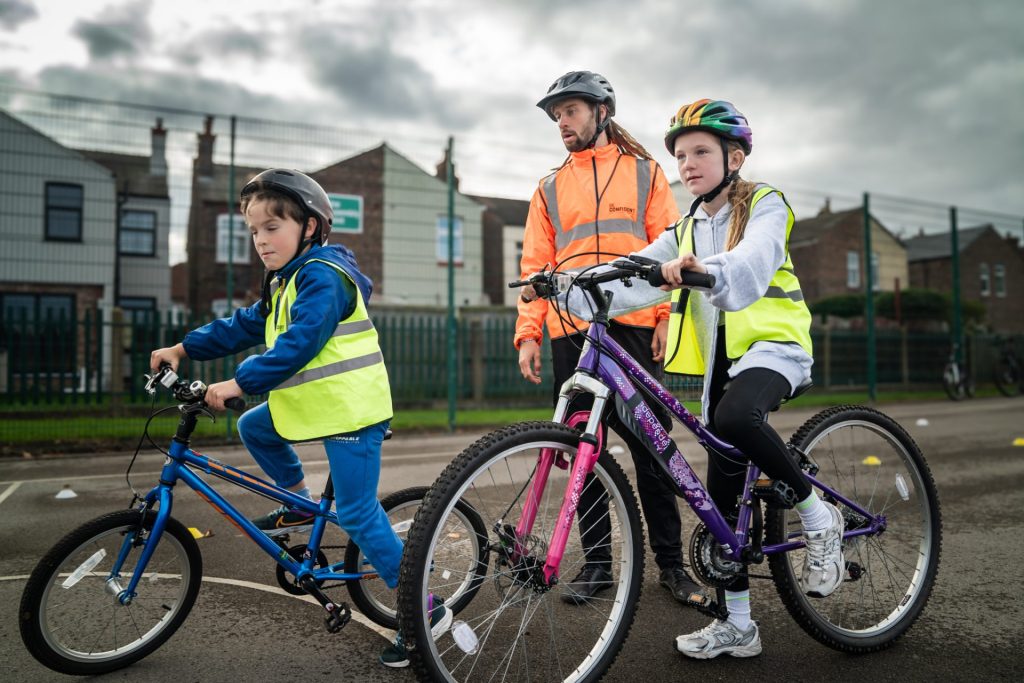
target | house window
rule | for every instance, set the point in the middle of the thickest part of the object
(138, 233)
(985, 284)
(64, 212)
(441, 241)
(39, 332)
(240, 239)
(874, 271)
(852, 269)
(138, 308)
(999, 273)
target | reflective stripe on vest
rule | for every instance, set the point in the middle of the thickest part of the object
(344, 388)
(780, 315)
(637, 228)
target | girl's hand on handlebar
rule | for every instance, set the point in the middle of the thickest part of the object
(672, 270)
(171, 355)
(217, 393)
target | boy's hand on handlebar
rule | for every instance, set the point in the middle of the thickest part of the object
(171, 355)
(529, 360)
(217, 393)
(672, 270)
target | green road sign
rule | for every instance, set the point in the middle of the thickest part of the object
(348, 212)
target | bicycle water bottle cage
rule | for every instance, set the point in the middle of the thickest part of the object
(774, 492)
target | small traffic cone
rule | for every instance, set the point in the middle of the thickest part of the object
(66, 492)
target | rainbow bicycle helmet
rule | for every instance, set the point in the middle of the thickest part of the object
(587, 85)
(718, 117)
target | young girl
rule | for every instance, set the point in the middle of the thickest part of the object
(749, 336)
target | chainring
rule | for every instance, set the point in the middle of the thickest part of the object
(707, 558)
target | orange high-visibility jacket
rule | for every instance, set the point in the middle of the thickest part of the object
(636, 206)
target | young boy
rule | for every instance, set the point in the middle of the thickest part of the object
(323, 368)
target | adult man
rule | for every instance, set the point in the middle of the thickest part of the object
(608, 199)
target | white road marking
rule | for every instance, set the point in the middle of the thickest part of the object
(10, 489)
(156, 473)
(277, 590)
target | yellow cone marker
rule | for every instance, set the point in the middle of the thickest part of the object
(871, 460)
(196, 533)
(1019, 441)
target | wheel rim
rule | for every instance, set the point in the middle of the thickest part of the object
(86, 623)
(888, 573)
(523, 634)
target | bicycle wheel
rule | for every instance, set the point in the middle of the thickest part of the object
(375, 599)
(953, 382)
(868, 458)
(70, 617)
(517, 628)
(1007, 378)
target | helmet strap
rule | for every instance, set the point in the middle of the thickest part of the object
(728, 178)
(601, 126)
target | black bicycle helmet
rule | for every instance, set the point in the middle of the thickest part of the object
(304, 190)
(587, 85)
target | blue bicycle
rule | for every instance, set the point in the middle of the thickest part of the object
(116, 588)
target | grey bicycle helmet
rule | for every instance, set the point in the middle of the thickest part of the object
(300, 187)
(587, 85)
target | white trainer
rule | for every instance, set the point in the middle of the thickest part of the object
(824, 565)
(721, 638)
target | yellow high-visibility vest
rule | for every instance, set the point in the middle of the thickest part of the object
(780, 315)
(344, 388)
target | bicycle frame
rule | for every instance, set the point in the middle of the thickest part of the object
(605, 369)
(178, 467)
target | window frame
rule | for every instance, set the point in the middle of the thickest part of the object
(853, 278)
(985, 279)
(999, 280)
(241, 229)
(79, 210)
(152, 232)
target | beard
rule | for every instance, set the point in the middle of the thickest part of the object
(583, 137)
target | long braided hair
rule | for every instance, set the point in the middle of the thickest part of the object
(740, 193)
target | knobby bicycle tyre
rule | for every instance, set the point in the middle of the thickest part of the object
(371, 595)
(70, 618)
(869, 458)
(516, 628)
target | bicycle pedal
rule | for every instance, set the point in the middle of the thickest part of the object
(774, 492)
(337, 617)
(709, 607)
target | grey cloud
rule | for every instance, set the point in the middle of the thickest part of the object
(13, 13)
(229, 41)
(123, 31)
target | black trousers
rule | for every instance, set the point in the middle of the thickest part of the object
(657, 499)
(738, 409)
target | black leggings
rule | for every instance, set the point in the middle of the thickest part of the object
(739, 410)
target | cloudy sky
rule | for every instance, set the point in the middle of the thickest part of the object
(905, 97)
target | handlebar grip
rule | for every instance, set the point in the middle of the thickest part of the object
(236, 404)
(690, 278)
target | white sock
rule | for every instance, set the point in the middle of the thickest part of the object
(814, 515)
(304, 492)
(738, 604)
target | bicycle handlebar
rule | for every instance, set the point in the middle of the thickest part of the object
(189, 392)
(548, 284)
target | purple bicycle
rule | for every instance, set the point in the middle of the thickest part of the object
(525, 480)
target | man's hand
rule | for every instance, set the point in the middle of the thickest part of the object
(672, 270)
(217, 393)
(527, 294)
(660, 341)
(529, 360)
(170, 354)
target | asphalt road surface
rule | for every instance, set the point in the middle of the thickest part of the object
(244, 628)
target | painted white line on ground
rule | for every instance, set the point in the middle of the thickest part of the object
(156, 473)
(276, 590)
(10, 489)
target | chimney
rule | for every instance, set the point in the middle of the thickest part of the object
(827, 209)
(158, 155)
(204, 156)
(442, 171)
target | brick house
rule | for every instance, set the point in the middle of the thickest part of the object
(991, 271)
(828, 252)
(504, 221)
(388, 210)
